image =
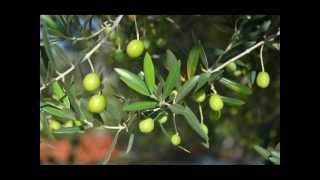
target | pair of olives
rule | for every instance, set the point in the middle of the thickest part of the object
(97, 103)
(215, 100)
(55, 125)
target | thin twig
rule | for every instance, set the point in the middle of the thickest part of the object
(136, 26)
(201, 114)
(261, 58)
(114, 127)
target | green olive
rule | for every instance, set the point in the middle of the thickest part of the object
(135, 48)
(68, 124)
(231, 67)
(163, 119)
(263, 79)
(54, 125)
(199, 96)
(146, 125)
(91, 82)
(119, 55)
(175, 139)
(216, 102)
(97, 104)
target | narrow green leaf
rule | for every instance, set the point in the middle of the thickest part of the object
(203, 79)
(252, 77)
(130, 143)
(190, 117)
(47, 45)
(193, 61)
(275, 160)
(68, 130)
(133, 81)
(215, 76)
(263, 152)
(73, 102)
(236, 87)
(186, 88)
(232, 101)
(203, 56)
(149, 73)
(64, 114)
(172, 79)
(142, 105)
(51, 102)
(170, 60)
(107, 156)
(275, 154)
(58, 94)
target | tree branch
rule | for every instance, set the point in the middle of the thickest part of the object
(85, 58)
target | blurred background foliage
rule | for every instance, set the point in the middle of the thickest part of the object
(232, 137)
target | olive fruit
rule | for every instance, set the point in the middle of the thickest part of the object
(216, 102)
(175, 139)
(91, 82)
(68, 124)
(204, 128)
(161, 42)
(199, 96)
(263, 79)
(146, 125)
(77, 123)
(97, 104)
(135, 48)
(119, 55)
(163, 119)
(232, 67)
(54, 125)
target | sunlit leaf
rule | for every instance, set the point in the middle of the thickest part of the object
(275, 160)
(193, 61)
(232, 101)
(142, 105)
(59, 94)
(133, 81)
(172, 80)
(170, 59)
(64, 114)
(148, 68)
(263, 152)
(236, 87)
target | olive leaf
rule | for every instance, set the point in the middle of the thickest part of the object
(172, 79)
(142, 105)
(64, 114)
(232, 101)
(148, 68)
(236, 87)
(203, 56)
(193, 61)
(59, 94)
(133, 81)
(263, 152)
(170, 59)
(186, 88)
(130, 143)
(203, 79)
(190, 117)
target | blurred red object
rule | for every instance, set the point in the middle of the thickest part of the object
(61, 150)
(91, 149)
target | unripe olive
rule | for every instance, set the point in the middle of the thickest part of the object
(54, 125)
(163, 119)
(77, 123)
(97, 104)
(119, 55)
(68, 124)
(200, 96)
(175, 139)
(216, 102)
(231, 67)
(263, 79)
(135, 48)
(146, 125)
(91, 82)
